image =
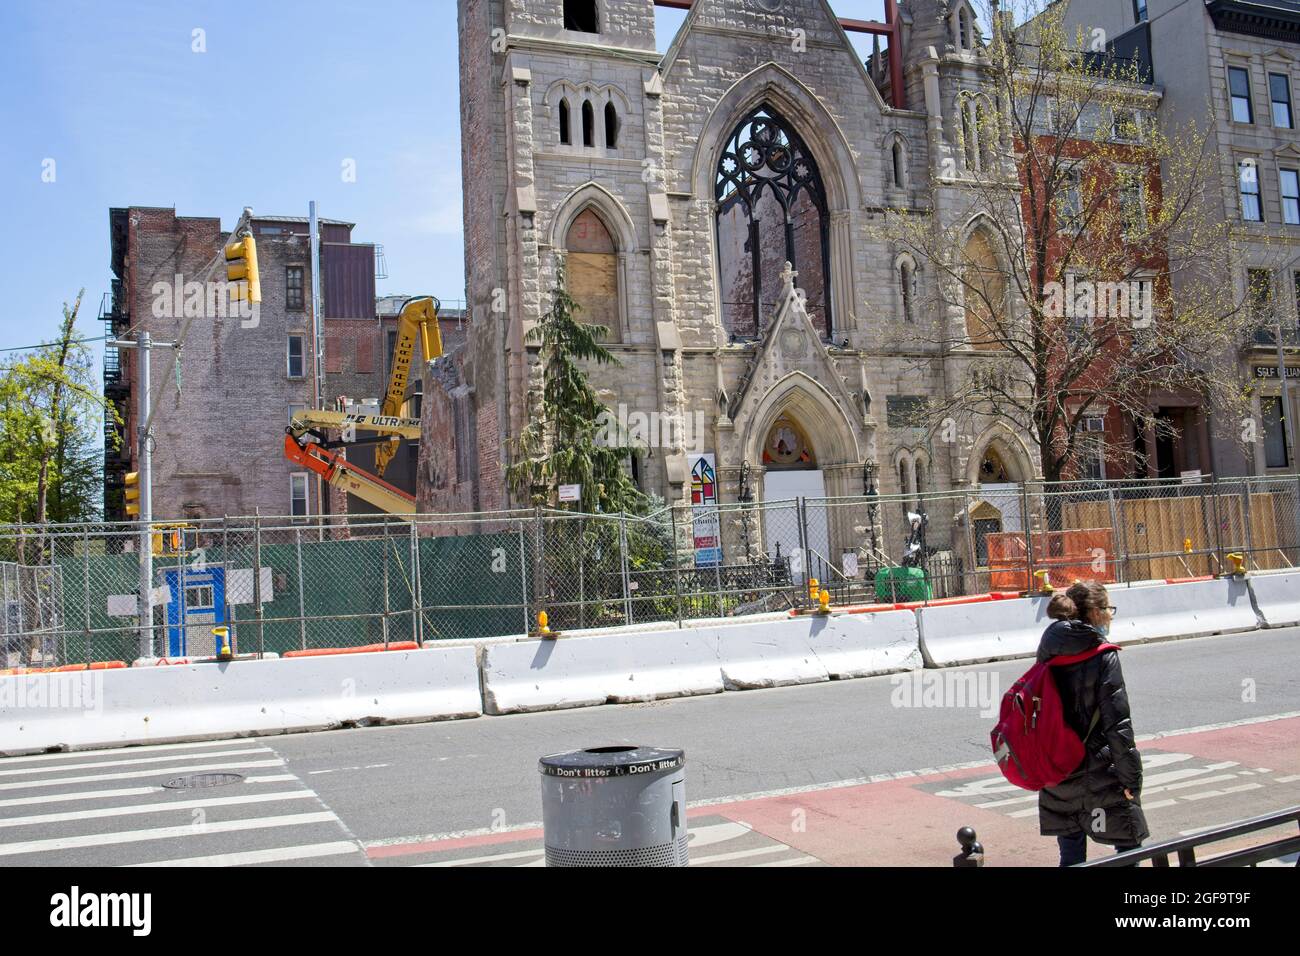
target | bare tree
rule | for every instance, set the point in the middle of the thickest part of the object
(1084, 273)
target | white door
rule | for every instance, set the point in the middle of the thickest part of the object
(781, 522)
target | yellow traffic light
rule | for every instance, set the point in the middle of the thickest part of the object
(133, 494)
(241, 263)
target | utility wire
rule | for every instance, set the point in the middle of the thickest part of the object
(47, 345)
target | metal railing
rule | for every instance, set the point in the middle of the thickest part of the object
(1185, 848)
(351, 581)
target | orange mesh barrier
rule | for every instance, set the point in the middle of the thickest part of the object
(1084, 555)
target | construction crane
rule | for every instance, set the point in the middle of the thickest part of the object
(307, 445)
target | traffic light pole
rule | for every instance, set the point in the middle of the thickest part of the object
(144, 345)
(144, 457)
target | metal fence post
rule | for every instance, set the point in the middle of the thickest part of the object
(257, 580)
(523, 576)
(677, 575)
(302, 601)
(1245, 520)
(1218, 523)
(383, 621)
(225, 580)
(582, 575)
(623, 556)
(417, 597)
(85, 599)
(1027, 525)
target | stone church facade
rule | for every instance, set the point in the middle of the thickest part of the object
(714, 207)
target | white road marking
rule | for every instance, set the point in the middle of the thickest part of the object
(740, 854)
(249, 857)
(801, 861)
(372, 766)
(491, 858)
(128, 774)
(103, 812)
(82, 754)
(167, 758)
(1222, 793)
(1289, 779)
(163, 833)
(75, 795)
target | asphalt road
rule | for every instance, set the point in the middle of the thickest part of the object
(311, 798)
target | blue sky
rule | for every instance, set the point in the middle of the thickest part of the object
(114, 93)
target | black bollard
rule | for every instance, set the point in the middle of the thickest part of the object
(972, 852)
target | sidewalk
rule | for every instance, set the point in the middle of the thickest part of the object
(1193, 780)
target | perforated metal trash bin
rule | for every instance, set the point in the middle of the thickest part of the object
(615, 806)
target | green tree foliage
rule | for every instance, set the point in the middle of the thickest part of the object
(568, 440)
(51, 416)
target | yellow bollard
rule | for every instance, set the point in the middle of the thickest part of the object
(1187, 545)
(543, 624)
(824, 601)
(1238, 563)
(1044, 584)
(222, 640)
(812, 589)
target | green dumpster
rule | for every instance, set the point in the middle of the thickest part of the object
(902, 584)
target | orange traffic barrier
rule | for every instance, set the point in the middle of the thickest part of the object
(1202, 577)
(366, 649)
(64, 669)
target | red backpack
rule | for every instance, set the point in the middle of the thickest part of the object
(1032, 743)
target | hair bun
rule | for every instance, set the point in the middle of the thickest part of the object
(1062, 607)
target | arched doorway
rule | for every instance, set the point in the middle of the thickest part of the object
(791, 473)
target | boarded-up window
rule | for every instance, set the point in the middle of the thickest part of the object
(365, 355)
(333, 354)
(592, 273)
(984, 288)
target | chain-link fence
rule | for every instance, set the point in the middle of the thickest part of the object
(68, 593)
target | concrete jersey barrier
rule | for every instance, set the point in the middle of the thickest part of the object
(974, 633)
(584, 671)
(242, 698)
(769, 654)
(1277, 597)
(860, 645)
(1181, 610)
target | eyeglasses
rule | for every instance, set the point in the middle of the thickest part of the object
(1113, 610)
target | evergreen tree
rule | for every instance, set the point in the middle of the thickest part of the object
(568, 442)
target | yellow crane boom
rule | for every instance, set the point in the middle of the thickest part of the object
(419, 317)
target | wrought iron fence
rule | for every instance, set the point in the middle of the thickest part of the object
(68, 593)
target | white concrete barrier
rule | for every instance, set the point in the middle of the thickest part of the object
(611, 668)
(859, 645)
(983, 631)
(238, 699)
(1277, 597)
(768, 654)
(1181, 610)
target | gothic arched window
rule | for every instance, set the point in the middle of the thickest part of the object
(771, 209)
(588, 124)
(564, 122)
(611, 126)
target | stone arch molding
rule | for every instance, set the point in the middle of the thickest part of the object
(1015, 453)
(774, 84)
(611, 211)
(798, 394)
(577, 92)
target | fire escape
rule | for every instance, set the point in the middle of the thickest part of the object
(115, 315)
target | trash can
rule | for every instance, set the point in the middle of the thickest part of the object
(615, 806)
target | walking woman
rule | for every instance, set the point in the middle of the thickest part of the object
(1101, 798)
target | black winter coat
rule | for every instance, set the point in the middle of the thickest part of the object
(1092, 798)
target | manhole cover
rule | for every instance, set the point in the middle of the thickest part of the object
(199, 781)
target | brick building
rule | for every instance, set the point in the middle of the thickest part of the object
(1240, 57)
(222, 408)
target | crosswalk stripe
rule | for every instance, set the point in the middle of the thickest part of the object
(248, 857)
(163, 833)
(1224, 792)
(103, 812)
(466, 861)
(128, 774)
(74, 795)
(79, 754)
(740, 854)
(166, 758)
(801, 861)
